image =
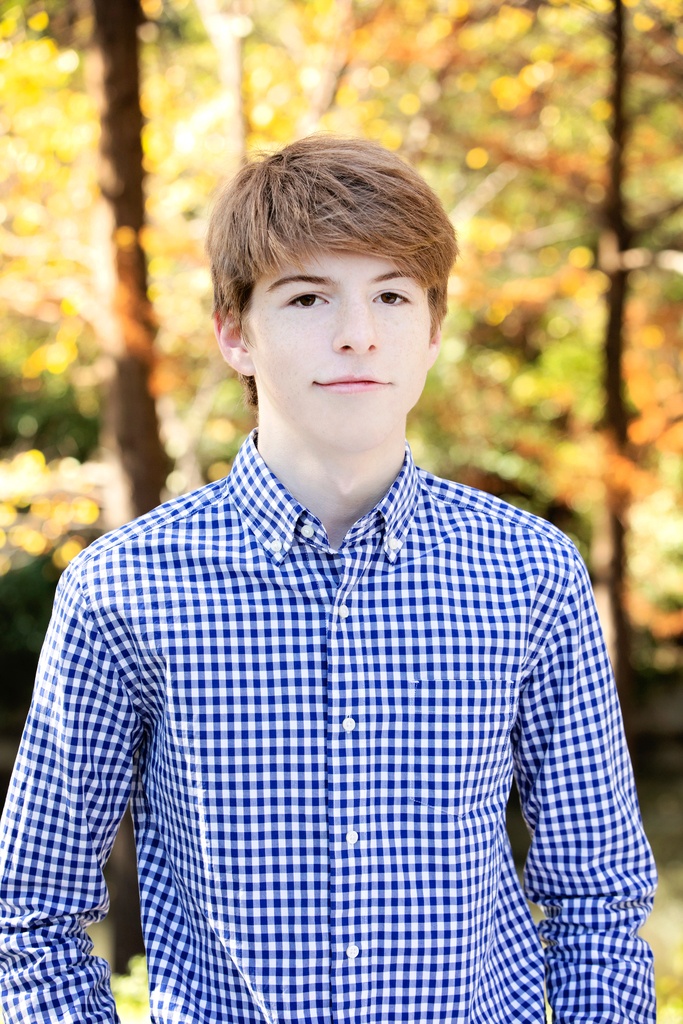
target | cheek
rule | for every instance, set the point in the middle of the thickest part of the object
(275, 370)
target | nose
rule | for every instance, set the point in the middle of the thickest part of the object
(356, 330)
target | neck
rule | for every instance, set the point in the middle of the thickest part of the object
(338, 488)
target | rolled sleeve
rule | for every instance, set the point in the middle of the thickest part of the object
(69, 790)
(589, 866)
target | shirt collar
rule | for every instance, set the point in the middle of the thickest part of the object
(275, 516)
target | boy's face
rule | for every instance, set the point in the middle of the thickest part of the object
(339, 349)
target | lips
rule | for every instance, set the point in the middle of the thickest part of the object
(352, 383)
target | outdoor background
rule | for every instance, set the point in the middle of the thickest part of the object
(553, 131)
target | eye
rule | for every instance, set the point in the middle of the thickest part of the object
(391, 298)
(305, 301)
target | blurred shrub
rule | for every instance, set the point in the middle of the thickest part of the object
(131, 992)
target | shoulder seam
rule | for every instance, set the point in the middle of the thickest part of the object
(469, 499)
(154, 519)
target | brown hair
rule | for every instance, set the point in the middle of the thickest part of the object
(326, 193)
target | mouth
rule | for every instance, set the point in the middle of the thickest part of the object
(350, 385)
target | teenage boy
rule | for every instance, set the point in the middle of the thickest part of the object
(317, 677)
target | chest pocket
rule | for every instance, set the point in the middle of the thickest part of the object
(461, 758)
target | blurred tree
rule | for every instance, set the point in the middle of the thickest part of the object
(225, 26)
(126, 328)
(549, 103)
(609, 558)
(553, 132)
(126, 325)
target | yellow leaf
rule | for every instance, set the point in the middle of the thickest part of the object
(67, 551)
(512, 22)
(642, 22)
(477, 158)
(347, 96)
(85, 511)
(409, 104)
(466, 82)
(509, 92)
(28, 540)
(8, 514)
(601, 110)
(378, 77)
(651, 336)
(39, 22)
(581, 257)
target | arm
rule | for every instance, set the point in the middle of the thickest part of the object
(589, 867)
(69, 790)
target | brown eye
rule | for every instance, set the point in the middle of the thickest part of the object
(390, 298)
(305, 300)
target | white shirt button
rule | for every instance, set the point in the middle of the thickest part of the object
(349, 724)
(352, 950)
(394, 543)
(307, 531)
(275, 544)
(352, 837)
(343, 611)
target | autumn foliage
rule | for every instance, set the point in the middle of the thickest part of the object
(510, 110)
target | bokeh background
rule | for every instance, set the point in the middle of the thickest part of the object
(553, 131)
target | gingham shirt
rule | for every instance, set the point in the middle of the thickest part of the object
(319, 746)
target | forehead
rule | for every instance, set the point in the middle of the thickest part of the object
(330, 268)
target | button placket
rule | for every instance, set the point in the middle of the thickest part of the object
(345, 697)
(351, 837)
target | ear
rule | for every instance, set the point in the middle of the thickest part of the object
(435, 345)
(232, 345)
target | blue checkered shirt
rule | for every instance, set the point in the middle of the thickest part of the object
(319, 747)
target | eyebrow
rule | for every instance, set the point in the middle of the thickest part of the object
(390, 275)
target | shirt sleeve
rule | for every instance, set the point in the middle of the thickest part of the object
(589, 867)
(68, 793)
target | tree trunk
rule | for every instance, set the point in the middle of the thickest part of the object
(127, 331)
(616, 239)
(127, 328)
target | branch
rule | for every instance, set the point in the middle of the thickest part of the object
(612, 260)
(655, 219)
(336, 62)
(225, 28)
(670, 259)
(484, 193)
